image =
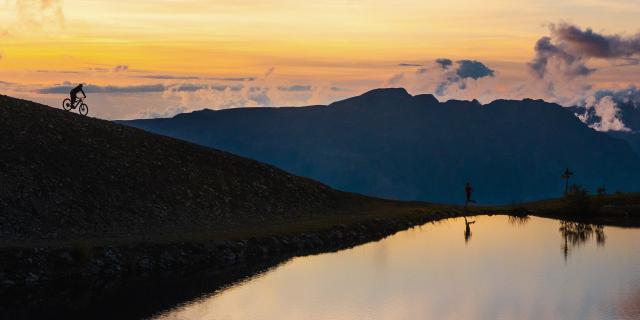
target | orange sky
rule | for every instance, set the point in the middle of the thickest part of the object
(352, 45)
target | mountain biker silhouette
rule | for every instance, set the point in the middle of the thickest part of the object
(74, 93)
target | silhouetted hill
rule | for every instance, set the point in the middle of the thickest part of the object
(388, 143)
(65, 176)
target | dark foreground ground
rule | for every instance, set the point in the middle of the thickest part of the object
(121, 279)
(96, 218)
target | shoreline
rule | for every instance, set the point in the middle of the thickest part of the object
(33, 272)
(36, 271)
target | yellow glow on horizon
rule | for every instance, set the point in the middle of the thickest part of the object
(221, 36)
(352, 45)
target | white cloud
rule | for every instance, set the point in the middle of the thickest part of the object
(609, 113)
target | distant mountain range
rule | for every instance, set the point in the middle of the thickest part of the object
(391, 144)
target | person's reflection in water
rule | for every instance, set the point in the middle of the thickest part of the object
(467, 230)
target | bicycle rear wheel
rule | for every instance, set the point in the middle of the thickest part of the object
(84, 109)
(66, 104)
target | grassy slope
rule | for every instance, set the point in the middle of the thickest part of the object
(65, 177)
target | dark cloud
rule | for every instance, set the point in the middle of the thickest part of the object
(571, 47)
(571, 65)
(450, 79)
(473, 69)
(444, 62)
(409, 65)
(630, 95)
(421, 71)
(594, 45)
(464, 70)
(295, 88)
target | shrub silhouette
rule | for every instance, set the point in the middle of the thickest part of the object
(577, 201)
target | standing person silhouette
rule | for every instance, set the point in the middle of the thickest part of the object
(468, 190)
(74, 94)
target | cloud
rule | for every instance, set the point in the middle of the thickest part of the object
(409, 65)
(473, 69)
(594, 45)
(604, 108)
(168, 77)
(148, 88)
(231, 78)
(167, 113)
(460, 74)
(295, 88)
(38, 14)
(444, 62)
(395, 79)
(58, 71)
(178, 77)
(220, 97)
(568, 64)
(568, 48)
(120, 68)
(609, 113)
(65, 88)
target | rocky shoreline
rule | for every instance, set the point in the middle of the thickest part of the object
(34, 269)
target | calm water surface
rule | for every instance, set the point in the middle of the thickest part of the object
(500, 268)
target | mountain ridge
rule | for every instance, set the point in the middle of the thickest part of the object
(387, 143)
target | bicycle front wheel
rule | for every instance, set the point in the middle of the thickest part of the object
(84, 109)
(66, 104)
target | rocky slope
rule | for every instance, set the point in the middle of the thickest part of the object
(64, 176)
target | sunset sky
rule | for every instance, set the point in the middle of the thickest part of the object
(155, 58)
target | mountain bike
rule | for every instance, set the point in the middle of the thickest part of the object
(82, 107)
